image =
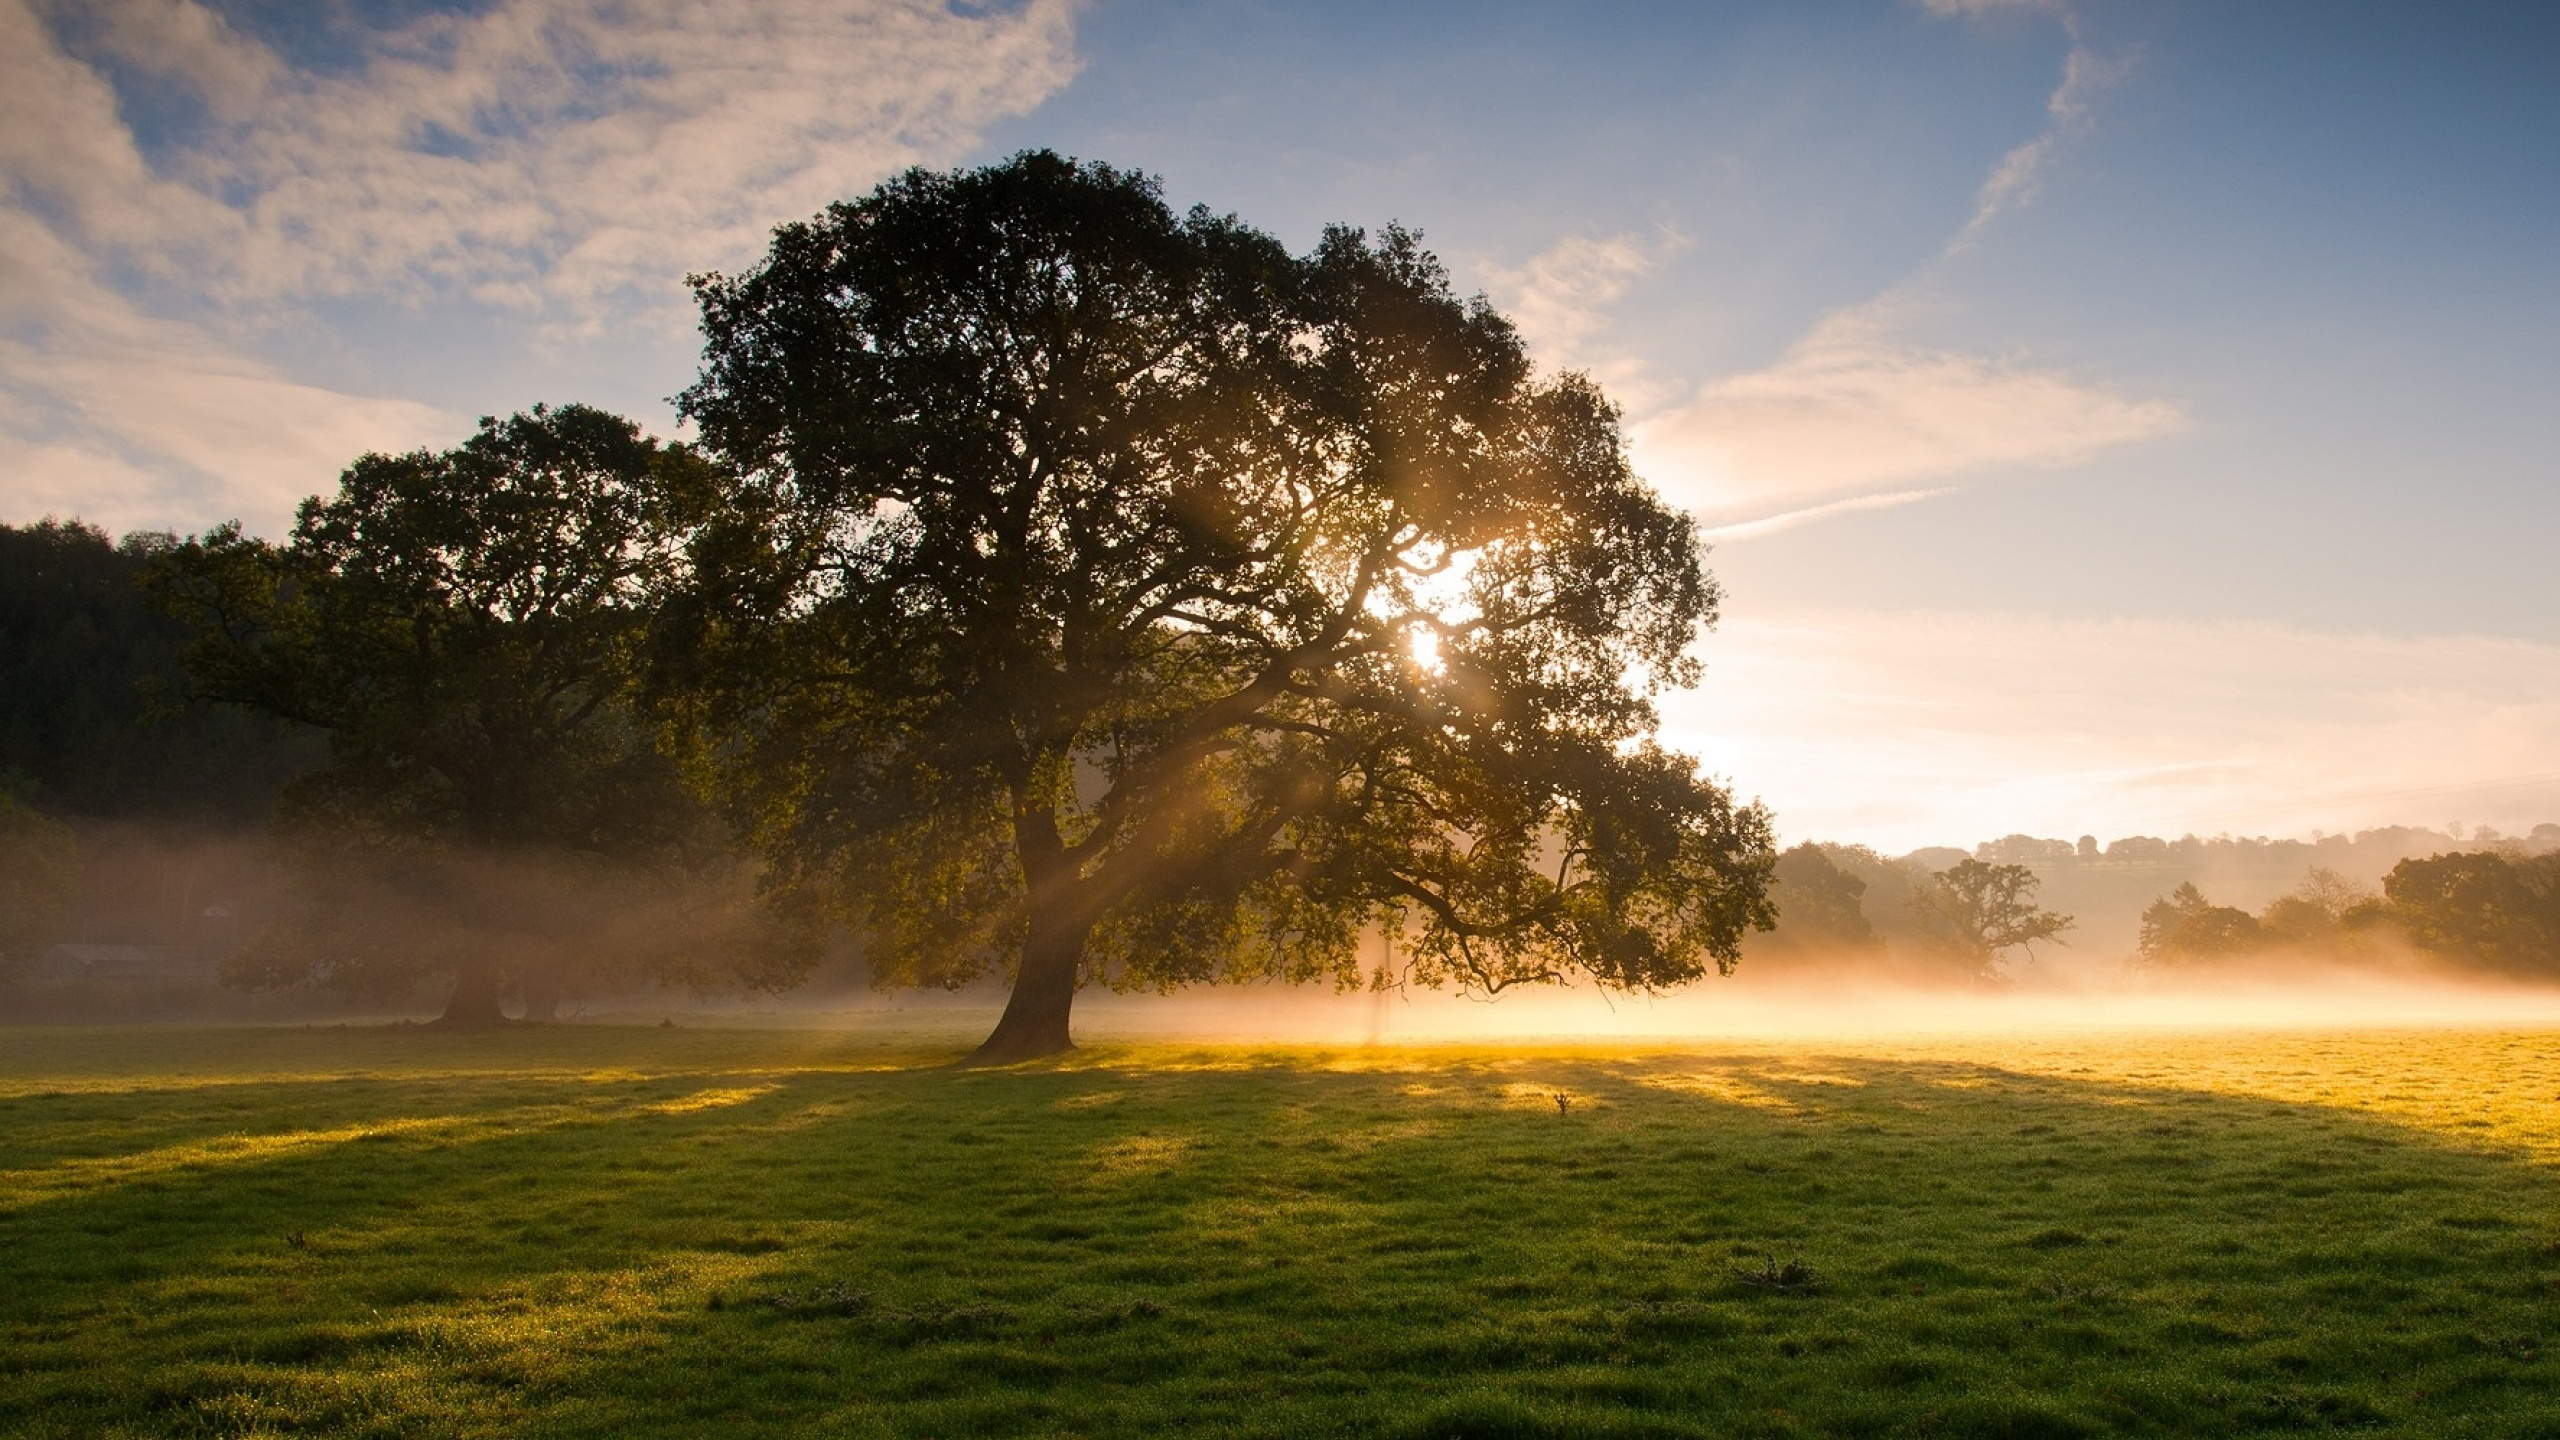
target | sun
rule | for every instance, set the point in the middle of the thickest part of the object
(1425, 643)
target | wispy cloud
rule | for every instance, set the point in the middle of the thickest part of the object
(178, 42)
(2013, 181)
(566, 159)
(133, 421)
(68, 163)
(544, 152)
(1859, 404)
(1948, 9)
(1854, 406)
(1560, 298)
(1790, 519)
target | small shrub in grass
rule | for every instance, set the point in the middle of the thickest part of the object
(1793, 1277)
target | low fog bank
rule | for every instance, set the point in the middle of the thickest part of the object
(163, 924)
(1844, 1005)
(1845, 1002)
(1727, 1009)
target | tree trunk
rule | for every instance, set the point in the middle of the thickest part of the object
(475, 996)
(1044, 989)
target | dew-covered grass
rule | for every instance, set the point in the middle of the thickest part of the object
(599, 1231)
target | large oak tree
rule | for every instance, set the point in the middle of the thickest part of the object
(1106, 592)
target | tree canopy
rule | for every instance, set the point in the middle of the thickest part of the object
(2183, 927)
(39, 873)
(91, 723)
(1105, 592)
(2496, 910)
(464, 626)
(2481, 907)
(1819, 909)
(1979, 912)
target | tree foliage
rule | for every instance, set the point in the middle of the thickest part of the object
(90, 685)
(464, 626)
(39, 877)
(1101, 591)
(2497, 911)
(2183, 927)
(1819, 905)
(1979, 912)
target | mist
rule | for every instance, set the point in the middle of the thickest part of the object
(2307, 993)
(178, 923)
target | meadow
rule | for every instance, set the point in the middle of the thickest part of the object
(634, 1231)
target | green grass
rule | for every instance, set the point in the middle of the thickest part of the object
(629, 1232)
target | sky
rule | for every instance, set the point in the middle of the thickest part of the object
(2108, 416)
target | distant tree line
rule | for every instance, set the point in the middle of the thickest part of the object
(94, 719)
(2374, 848)
(2493, 910)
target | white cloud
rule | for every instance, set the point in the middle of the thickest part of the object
(1947, 9)
(1858, 407)
(1902, 729)
(132, 421)
(2013, 181)
(1855, 407)
(179, 40)
(1560, 299)
(571, 159)
(65, 154)
(1790, 519)
(570, 152)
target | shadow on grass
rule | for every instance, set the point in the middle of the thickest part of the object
(686, 1243)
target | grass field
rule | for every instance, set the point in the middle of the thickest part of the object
(600, 1231)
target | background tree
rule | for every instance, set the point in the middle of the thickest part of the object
(2183, 927)
(90, 690)
(2315, 916)
(1819, 909)
(39, 873)
(1979, 912)
(463, 626)
(2481, 907)
(1107, 592)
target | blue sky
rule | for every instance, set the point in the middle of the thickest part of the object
(2108, 416)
